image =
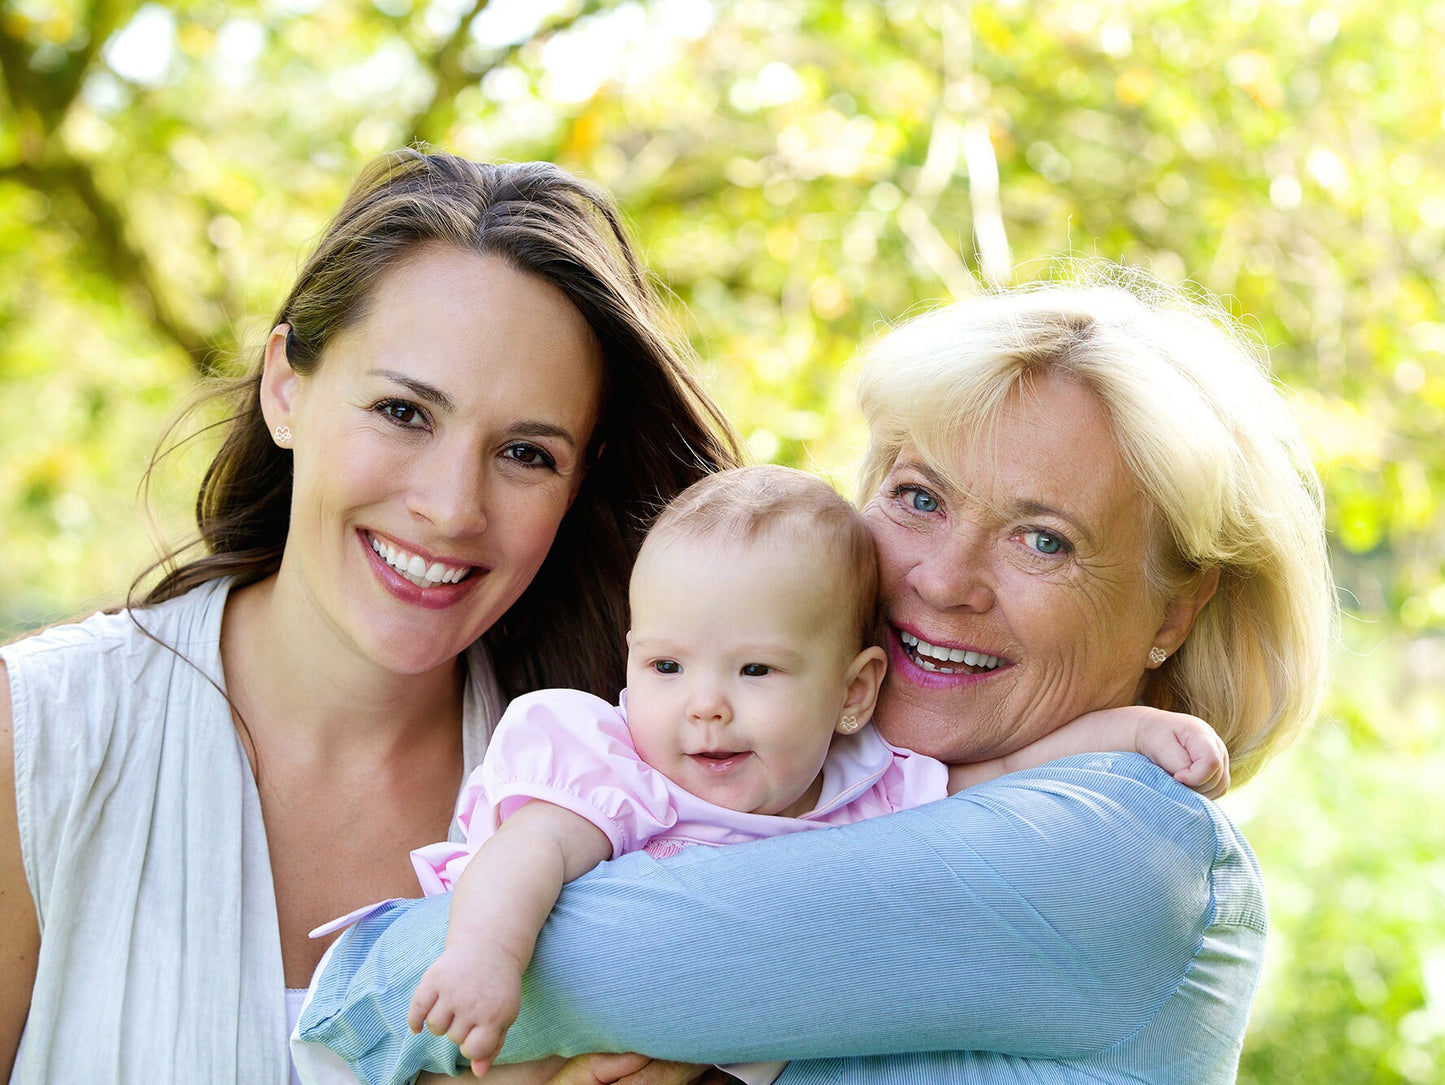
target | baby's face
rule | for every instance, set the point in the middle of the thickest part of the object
(737, 668)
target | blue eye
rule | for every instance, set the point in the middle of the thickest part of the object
(918, 499)
(1045, 542)
(667, 666)
(755, 670)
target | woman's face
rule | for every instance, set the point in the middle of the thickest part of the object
(1018, 602)
(437, 447)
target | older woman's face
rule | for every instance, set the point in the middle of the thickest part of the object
(1019, 602)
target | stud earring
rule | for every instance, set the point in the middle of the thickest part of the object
(282, 434)
(1157, 655)
(849, 724)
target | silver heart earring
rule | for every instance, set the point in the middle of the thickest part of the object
(282, 434)
(849, 724)
(1157, 655)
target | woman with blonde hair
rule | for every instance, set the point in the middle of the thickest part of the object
(1082, 496)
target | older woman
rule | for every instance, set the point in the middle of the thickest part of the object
(428, 500)
(1082, 497)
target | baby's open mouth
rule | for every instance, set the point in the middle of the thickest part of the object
(930, 657)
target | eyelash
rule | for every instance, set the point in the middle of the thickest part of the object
(548, 461)
(902, 490)
(1065, 547)
(392, 408)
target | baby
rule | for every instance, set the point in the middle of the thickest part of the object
(752, 674)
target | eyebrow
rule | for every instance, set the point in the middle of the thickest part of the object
(1039, 508)
(421, 389)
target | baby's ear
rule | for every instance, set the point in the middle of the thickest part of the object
(864, 679)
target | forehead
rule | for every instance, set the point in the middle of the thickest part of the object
(775, 578)
(1051, 447)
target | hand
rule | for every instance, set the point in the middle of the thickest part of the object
(1191, 751)
(632, 1069)
(470, 995)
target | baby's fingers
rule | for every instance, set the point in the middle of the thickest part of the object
(480, 1045)
(421, 1005)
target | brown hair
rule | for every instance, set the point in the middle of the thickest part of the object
(660, 429)
(752, 501)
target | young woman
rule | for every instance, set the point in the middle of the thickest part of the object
(427, 501)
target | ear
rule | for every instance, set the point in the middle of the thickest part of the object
(1181, 611)
(864, 679)
(279, 381)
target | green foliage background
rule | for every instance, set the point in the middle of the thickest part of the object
(800, 173)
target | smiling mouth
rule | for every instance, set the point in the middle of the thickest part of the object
(415, 568)
(719, 761)
(938, 660)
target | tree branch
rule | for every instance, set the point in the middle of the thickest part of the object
(108, 237)
(452, 75)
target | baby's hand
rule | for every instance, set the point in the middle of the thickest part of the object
(1188, 749)
(471, 996)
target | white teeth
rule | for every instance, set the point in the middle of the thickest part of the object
(931, 657)
(415, 568)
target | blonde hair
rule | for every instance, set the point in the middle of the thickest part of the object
(748, 502)
(1210, 441)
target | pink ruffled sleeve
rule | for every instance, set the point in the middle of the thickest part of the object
(564, 747)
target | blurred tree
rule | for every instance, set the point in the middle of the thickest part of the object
(800, 173)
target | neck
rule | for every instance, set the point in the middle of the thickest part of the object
(294, 686)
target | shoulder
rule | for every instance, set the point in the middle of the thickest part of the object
(76, 687)
(188, 623)
(568, 716)
(1154, 847)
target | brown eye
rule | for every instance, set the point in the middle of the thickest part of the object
(529, 455)
(400, 411)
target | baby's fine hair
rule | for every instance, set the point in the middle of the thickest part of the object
(746, 503)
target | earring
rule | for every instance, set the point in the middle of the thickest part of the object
(849, 724)
(282, 434)
(1157, 655)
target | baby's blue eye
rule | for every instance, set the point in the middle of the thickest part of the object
(667, 666)
(755, 670)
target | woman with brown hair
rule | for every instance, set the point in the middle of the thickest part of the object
(427, 501)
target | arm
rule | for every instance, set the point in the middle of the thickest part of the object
(19, 929)
(1184, 746)
(1048, 915)
(471, 992)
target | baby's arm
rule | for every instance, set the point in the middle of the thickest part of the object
(1182, 745)
(471, 992)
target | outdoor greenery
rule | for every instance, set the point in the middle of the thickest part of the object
(800, 173)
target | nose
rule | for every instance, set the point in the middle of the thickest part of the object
(706, 703)
(955, 571)
(448, 490)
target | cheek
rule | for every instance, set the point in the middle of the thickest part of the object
(533, 526)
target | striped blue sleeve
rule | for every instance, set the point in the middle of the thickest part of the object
(1054, 914)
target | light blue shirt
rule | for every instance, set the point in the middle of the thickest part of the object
(1089, 920)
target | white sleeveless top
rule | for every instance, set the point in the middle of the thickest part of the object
(145, 850)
